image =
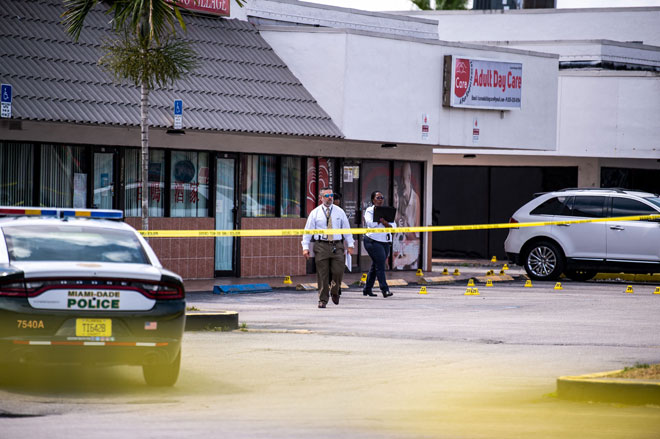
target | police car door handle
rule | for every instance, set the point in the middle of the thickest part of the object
(564, 225)
(617, 228)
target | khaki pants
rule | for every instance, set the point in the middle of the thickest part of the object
(329, 268)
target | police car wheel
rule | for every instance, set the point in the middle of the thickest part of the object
(162, 375)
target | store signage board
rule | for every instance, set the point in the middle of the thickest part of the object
(481, 83)
(215, 7)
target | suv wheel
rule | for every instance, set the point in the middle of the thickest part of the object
(580, 275)
(162, 375)
(544, 261)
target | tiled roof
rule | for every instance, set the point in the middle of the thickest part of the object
(241, 85)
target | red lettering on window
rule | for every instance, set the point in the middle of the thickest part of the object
(154, 190)
(178, 193)
(194, 194)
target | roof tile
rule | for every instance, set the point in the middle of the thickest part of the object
(241, 84)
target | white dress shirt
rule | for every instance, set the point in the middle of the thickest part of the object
(318, 220)
(371, 224)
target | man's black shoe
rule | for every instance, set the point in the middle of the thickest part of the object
(321, 304)
(335, 298)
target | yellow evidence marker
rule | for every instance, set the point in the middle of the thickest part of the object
(470, 283)
(422, 290)
(629, 289)
(419, 272)
(287, 279)
(528, 283)
(489, 283)
(558, 286)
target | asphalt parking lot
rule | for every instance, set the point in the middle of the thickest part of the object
(440, 365)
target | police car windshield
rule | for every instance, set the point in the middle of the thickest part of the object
(72, 243)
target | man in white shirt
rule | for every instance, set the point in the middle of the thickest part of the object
(328, 249)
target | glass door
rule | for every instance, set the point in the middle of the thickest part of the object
(104, 180)
(225, 215)
(375, 177)
(350, 188)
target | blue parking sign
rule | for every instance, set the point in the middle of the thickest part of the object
(178, 114)
(5, 95)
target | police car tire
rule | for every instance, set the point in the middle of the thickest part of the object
(162, 375)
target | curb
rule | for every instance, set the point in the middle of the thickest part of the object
(205, 320)
(628, 277)
(599, 387)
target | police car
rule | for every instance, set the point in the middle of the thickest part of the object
(81, 286)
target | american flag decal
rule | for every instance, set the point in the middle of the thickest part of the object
(150, 326)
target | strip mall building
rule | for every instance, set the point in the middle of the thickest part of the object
(291, 96)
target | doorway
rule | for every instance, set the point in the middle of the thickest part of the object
(225, 215)
(104, 162)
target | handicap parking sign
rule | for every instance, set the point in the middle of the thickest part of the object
(5, 94)
(178, 114)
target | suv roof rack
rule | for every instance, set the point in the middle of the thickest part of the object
(61, 212)
(619, 190)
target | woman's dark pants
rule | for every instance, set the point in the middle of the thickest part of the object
(378, 251)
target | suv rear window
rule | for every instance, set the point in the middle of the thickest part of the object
(72, 243)
(553, 206)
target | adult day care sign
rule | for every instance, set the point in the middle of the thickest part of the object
(479, 83)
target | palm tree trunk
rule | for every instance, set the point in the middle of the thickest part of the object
(144, 130)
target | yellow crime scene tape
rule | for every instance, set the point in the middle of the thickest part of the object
(361, 231)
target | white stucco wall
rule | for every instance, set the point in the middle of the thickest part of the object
(619, 24)
(377, 87)
(609, 114)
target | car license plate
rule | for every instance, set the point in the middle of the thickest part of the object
(93, 327)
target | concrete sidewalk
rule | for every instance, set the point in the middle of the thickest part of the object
(468, 268)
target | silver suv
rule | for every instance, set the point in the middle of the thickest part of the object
(582, 250)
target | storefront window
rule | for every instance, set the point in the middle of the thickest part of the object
(189, 190)
(16, 163)
(64, 172)
(325, 178)
(258, 181)
(156, 182)
(406, 192)
(291, 171)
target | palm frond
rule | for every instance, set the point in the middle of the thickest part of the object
(74, 15)
(152, 18)
(127, 58)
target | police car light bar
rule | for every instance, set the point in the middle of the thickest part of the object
(61, 212)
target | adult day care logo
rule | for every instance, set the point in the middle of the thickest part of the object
(486, 84)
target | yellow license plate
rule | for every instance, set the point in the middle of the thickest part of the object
(93, 327)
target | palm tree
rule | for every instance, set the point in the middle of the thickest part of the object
(425, 5)
(143, 50)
